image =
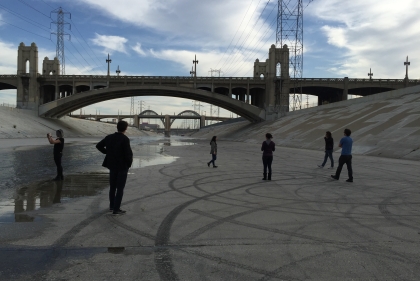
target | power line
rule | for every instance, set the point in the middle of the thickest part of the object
(25, 30)
(262, 44)
(47, 4)
(86, 42)
(234, 63)
(80, 54)
(25, 19)
(235, 33)
(34, 9)
(32, 22)
(242, 33)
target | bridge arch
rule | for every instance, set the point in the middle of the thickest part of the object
(7, 86)
(151, 113)
(186, 112)
(61, 107)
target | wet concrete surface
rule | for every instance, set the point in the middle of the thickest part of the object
(186, 221)
(26, 173)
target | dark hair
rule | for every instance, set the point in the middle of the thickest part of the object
(59, 133)
(268, 136)
(213, 139)
(328, 134)
(347, 132)
(122, 126)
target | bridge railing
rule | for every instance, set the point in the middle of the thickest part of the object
(359, 80)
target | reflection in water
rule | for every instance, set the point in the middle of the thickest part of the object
(47, 193)
(176, 143)
(33, 165)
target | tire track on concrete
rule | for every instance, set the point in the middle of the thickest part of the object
(163, 259)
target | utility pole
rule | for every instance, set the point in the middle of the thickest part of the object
(118, 71)
(370, 74)
(406, 63)
(132, 109)
(108, 61)
(60, 37)
(195, 62)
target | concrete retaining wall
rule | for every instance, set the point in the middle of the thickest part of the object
(385, 124)
(22, 123)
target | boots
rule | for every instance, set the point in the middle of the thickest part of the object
(265, 176)
(269, 176)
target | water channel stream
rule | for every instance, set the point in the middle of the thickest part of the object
(26, 173)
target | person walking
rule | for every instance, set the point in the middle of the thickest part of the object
(118, 160)
(268, 146)
(346, 144)
(57, 152)
(213, 151)
(329, 147)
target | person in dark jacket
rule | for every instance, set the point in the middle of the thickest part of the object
(118, 160)
(58, 152)
(213, 151)
(268, 146)
(329, 147)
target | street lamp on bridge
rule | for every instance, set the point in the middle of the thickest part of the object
(406, 63)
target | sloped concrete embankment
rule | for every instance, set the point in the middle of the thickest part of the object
(20, 123)
(385, 124)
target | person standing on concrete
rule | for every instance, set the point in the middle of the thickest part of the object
(213, 151)
(58, 152)
(346, 144)
(118, 160)
(268, 146)
(329, 147)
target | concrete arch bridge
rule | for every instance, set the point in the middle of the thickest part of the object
(256, 98)
(167, 120)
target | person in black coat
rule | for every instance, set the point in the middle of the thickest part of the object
(58, 152)
(267, 147)
(329, 147)
(118, 160)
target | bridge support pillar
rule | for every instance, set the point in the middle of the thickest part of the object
(167, 125)
(136, 121)
(346, 89)
(202, 121)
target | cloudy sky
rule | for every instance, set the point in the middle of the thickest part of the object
(161, 37)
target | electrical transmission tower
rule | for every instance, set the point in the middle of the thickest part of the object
(290, 32)
(215, 71)
(60, 36)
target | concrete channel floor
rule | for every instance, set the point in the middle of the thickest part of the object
(187, 221)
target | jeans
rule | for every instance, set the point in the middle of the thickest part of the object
(117, 179)
(213, 158)
(344, 159)
(57, 160)
(328, 154)
(267, 160)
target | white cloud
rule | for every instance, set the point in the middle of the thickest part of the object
(370, 35)
(336, 36)
(139, 50)
(110, 43)
(237, 63)
(196, 23)
(8, 58)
